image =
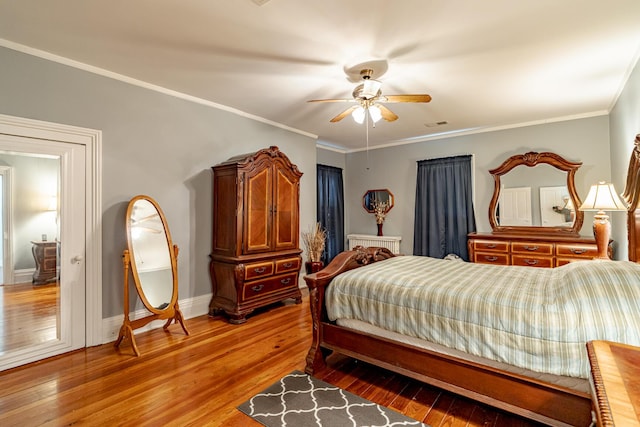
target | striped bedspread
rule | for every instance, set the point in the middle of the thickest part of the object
(534, 318)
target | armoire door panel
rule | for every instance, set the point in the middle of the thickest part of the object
(257, 233)
(286, 215)
(224, 238)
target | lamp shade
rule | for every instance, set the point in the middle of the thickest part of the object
(603, 197)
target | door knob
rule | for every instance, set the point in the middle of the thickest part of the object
(77, 259)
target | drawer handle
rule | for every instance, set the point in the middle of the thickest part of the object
(285, 281)
(491, 246)
(257, 288)
(531, 248)
(260, 270)
(287, 265)
(531, 261)
(491, 258)
(577, 251)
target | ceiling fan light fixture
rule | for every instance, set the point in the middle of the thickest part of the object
(375, 113)
(358, 115)
(370, 89)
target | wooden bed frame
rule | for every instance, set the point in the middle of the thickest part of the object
(529, 397)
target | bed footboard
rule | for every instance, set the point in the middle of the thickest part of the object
(317, 283)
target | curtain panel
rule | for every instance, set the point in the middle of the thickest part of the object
(444, 212)
(330, 209)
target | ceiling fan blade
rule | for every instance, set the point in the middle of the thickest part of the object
(344, 114)
(407, 98)
(146, 218)
(387, 114)
(331, 100)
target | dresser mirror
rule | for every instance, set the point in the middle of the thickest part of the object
(371, 197)
(152, 259)
(535, 192)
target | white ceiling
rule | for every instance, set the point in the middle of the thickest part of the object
(486, 63)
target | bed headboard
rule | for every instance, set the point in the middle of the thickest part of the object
(631, 195)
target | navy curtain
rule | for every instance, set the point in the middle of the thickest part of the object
(330, 209)
(444, 207)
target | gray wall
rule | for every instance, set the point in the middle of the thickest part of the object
(34, 182)
(331, 157)
(585, 140)
(153, 144)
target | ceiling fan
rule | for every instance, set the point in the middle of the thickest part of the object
(368, 98)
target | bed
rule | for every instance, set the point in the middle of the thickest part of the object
(536, 380)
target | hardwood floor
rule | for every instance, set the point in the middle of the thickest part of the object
(28, 315)
(202, 378)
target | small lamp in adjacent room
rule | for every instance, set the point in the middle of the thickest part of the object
(602, 197)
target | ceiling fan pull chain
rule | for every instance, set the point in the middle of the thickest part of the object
(366, 125)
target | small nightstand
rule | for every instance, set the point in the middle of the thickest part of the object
(45, 254)
(615, 384)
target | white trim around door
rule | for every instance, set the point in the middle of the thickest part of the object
(92, 141)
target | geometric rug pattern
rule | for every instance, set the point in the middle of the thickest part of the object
(299, 400)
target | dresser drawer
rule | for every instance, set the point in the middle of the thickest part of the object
(289, 264)
(50, 252)
(563, 261)
(576, 250)
(49, 264)
(491, 258)
(532, 248)
(491, 245)
(258, 269)
(263, 287)
(532, 261)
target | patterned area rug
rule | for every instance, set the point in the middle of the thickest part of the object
(299, 400)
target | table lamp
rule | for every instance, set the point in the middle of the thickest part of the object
(602, 197)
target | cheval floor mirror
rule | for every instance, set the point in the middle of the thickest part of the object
(152, 259)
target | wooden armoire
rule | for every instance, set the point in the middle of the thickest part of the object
(255, 257)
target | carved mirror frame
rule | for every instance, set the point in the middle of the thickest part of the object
(366, 197)
(531, 159)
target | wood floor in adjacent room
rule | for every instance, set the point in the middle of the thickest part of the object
(202, 378)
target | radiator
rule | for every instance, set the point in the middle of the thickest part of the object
(390, 242)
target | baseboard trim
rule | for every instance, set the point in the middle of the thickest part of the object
(190, 307)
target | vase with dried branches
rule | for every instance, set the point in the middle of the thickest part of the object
(314, 241)
(380, 210)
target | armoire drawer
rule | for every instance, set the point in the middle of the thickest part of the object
(263, 287)
(288, 264)
(258, 269)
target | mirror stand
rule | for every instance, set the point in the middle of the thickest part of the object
(171, 313)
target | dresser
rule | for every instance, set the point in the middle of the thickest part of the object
(615, 386)
(255, 257)
(45, 254)
(531, 250)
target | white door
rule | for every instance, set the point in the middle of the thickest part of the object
(555, 209)
(515, 206)
(69, 230)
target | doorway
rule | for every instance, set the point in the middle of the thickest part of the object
(55, 229)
